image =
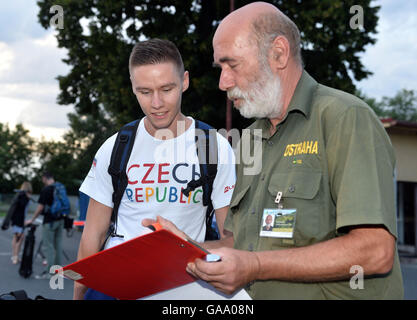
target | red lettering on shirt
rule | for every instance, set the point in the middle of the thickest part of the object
(181, 199)
(227, 189)
(132, 166)
(138, 195)
(150, 165)
(160, 173)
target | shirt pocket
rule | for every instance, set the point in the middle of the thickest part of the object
(300, 191)
(238, 196)
(239, 221)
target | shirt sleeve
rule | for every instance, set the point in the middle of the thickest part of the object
(225, 180)
(228, 223)
(361, 165)
(98, 184)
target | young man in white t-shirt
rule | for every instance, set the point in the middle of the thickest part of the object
(162, 161)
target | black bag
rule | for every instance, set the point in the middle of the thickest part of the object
(25, 269)
(68, 223)
(19, 295)
(6, 222)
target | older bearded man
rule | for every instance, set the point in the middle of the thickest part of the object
(327, 175)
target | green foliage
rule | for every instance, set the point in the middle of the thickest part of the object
(99, 36)
(330, 47)
(403, 106)
(57, 158)
(99, 78)
(16, 157)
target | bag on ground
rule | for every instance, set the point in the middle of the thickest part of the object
(25, 269)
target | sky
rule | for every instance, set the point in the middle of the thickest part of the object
(30, 61)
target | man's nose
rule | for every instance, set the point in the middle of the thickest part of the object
(156, 100)
(226, 80)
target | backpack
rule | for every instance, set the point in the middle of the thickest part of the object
(60, 206)
(206, 142)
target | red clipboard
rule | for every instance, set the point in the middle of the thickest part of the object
(139, 267)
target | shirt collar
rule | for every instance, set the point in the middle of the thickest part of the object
(303, 94)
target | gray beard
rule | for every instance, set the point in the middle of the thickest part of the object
(263, 100)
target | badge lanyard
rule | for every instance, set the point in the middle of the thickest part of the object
(278, 200)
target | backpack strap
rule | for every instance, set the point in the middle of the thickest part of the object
(208, 158)
(117, 169)
(206, 143)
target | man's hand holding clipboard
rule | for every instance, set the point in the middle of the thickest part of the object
(162, 223)
(223, 254)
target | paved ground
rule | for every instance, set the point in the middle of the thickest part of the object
(11, 280)
(409, 270)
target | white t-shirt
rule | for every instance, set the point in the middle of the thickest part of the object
(157, 172)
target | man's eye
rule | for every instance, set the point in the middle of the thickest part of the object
(166, 89)
(144, 92)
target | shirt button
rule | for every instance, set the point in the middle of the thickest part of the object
(270, 142)
(250, 247)
(291, 189)
(253, 211)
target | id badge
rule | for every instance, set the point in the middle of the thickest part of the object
(278, 223)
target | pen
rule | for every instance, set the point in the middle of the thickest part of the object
(155, 226)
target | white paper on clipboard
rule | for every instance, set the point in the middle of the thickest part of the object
(197, 290)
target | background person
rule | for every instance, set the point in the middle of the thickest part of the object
(52, 228)
(18, 219)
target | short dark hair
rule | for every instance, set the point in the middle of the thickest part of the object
(47, 175)
(155, 51)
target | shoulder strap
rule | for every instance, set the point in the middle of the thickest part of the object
(206, 144)
(208, 159)
(117, 169)
(206, 140)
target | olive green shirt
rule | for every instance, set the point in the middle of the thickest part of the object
(333, 161)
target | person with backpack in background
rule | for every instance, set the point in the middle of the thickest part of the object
(53, 204)
(18, 218)
(162, 163)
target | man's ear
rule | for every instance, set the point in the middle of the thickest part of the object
(279, 53)
(185, 81)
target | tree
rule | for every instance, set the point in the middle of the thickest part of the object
(99, 79)
(16, 157)
(403, 106)
(70, 160)
(57, 158)
(375, 105)
(99, 36)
